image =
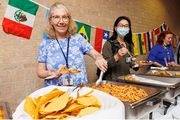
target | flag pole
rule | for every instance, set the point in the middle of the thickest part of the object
(39, 4)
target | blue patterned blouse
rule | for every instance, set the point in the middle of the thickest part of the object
(51, 54)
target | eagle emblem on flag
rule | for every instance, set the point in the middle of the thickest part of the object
(19, 16)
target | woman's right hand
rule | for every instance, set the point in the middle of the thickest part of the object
(122, 51)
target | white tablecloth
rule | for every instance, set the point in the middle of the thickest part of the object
(158, 114)
(112, 108)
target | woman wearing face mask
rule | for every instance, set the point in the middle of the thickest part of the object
(119, 61)
(162, 53)
(63, 47)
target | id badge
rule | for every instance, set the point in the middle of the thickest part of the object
(128, 59)
(67, 81)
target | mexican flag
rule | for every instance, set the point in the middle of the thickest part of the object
(19, 17)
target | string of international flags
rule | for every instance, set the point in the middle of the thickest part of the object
(19, 21)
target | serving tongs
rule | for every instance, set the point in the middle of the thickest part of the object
(133, 58)
(70, 90)
(99, 81)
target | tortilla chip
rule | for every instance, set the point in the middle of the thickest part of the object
(36, 100)
(41, 108)
(89, 101)
(55, 92)
(56, 105)
(87, 111)
(72, 107)
(29, 106)
(36, 113)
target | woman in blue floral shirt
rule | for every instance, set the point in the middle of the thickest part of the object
(63, 47)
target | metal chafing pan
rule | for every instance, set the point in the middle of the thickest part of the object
(166, 68)
(144, 106)
(173, 68)
(172, 83)
(170, 71)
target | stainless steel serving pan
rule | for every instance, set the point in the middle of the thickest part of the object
(170, 71)
(166, 68)
(144, 106)
(172, 84)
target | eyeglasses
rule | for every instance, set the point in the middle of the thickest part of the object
(121, 25)
(57, 18)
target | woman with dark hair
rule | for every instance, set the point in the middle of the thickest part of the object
(162, 53)
(119, 61)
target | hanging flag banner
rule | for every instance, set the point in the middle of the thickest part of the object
(156, 32)
(100, 38)
(150, 38)
(163, 27)
(84, 30)
(145, 39)
(19, 17)
(141, 44)
(135, 44)
(167, 28)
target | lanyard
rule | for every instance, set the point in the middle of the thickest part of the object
(167, 52)
(65, 57)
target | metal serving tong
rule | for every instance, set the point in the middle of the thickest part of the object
(99, 81)
(130, 54)
(70, 90)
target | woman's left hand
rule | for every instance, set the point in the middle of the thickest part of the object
(101, 63)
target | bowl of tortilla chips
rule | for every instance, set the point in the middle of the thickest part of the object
(53, 102)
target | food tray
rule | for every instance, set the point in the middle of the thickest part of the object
(171, 68)
(171, 72)
(137, 109)
(166, 83)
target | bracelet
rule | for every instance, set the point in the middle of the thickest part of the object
(98, 57)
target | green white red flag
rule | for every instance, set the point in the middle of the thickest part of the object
(19, 17)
